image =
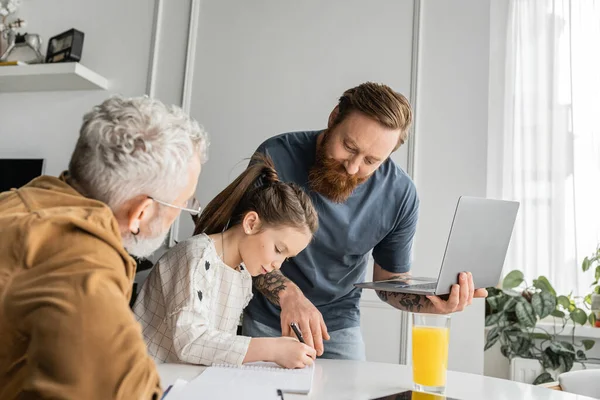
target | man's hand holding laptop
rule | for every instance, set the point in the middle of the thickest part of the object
(461, 295)
(478, 241)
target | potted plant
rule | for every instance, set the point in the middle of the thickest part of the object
(512, 314)
(593, 299)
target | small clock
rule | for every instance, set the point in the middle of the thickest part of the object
(65, 47)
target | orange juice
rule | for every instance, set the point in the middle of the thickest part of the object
(430, 355)
(425, 396)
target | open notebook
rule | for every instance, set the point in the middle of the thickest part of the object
(259, 380)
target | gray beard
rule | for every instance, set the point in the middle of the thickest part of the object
(142, 247)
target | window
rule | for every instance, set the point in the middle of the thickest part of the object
(550, 144)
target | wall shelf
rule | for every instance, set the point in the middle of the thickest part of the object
(49, 77)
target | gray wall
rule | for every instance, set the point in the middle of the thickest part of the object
(451, 143)
(267, 67)
(46, 124)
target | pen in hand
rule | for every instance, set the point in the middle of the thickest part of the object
(297, 332)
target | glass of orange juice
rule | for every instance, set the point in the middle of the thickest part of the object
(430, 338)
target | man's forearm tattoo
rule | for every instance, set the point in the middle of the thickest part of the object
(271, 285)
(404, 301)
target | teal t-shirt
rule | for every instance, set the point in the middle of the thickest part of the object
(380, 216)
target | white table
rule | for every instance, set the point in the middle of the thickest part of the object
(350, 380)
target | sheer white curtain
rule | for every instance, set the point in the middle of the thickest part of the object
(551, 137)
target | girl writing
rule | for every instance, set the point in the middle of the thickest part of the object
(191, 303)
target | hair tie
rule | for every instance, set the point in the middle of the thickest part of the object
(260, 181)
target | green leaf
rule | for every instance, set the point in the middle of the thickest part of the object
(497, 302)
(512, 293)
(585, 265)
(544, 377)
(557, 314)
(505, 350)
(494, 319)
(543, 304)
(597, 290)
(540, 336)
(510, 305)
(525, 314)
(510, 332)
(579, 316)
(588, 344)
(588, 299)
(521, 347)
(566, 362)
(492, 337)
(568, 346)
(493, 291)
(560, 348)
(544, 285)
(597, 275)
(563, 301)
(546, 361)
(551, 358)
(512, 280)
(592, 319)
(511, 318)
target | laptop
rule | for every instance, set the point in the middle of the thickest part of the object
(478, 242)
(16, 172)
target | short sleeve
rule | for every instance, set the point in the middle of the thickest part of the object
(394, 252)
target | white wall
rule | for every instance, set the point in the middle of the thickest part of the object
(267, 67)
(116, 45)
(171, 50)
(451, 140)
(498, 31)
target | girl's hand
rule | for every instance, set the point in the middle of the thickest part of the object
(290, 353)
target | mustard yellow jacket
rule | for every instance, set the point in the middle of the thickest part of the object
(66, 330)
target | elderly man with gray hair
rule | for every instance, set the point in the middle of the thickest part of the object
(66, 330)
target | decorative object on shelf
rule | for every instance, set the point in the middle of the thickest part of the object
(16, 40)
(593, 299)
(512, 314)
(65, 47)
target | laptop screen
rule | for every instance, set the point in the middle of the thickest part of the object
(15, 173)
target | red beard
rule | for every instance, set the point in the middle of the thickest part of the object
(329, 177)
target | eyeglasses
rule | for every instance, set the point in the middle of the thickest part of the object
(192, 205)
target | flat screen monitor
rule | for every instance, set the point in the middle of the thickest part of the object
(16, 172)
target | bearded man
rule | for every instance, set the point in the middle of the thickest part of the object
(366, 203)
